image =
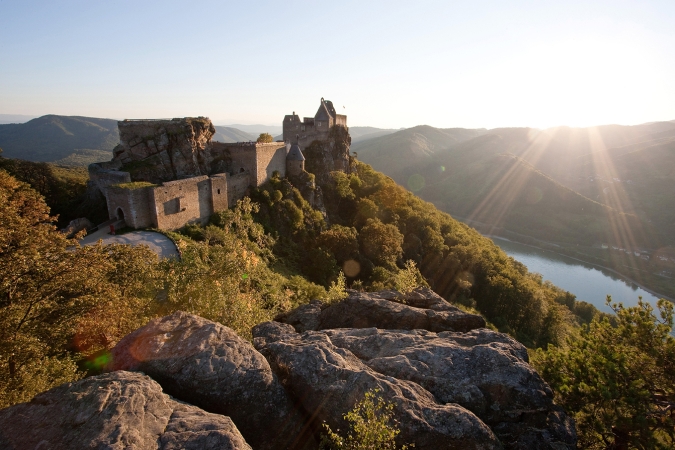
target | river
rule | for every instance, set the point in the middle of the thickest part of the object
(587, 282)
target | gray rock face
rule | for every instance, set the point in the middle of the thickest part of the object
(165, 149)
(329, 380)
(114, 411)
(421, 309)
(77, 225)
(484, 371)
(208, 365)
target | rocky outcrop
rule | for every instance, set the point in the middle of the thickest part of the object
(452, 383)
(328, 381)
(324, 155)
(418, 338)
(483, 371)
(163, 150)
(77, 225)
(420, 309)
(115, 411)
(207, 364)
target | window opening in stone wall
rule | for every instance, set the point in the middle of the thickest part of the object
(218, 191)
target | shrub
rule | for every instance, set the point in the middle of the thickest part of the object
(370, 427)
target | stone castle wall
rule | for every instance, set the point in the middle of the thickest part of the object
(209, 176)
(103, 178)
(133, 203)
(219, 192)
(270, 158)
(180, 202)
(237, 186)
(174, 204)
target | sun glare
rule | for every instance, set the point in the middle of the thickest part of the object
(583, 82)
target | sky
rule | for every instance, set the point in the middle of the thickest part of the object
(387, 64)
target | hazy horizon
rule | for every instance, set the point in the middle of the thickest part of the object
(388, 65)
(221, 123)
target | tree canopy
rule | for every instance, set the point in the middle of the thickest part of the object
(265, 138)
(618, 380)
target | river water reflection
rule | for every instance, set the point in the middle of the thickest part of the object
(587, 282)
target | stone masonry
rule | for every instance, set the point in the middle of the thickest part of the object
(168, 173)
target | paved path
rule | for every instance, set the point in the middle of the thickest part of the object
(157, 242)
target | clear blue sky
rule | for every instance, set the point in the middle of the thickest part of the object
(390, 63)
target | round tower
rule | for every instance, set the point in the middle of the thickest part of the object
(295, 161)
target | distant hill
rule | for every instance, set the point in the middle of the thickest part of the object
(255, 130)
(359, 134)
(83, 157)
(228, 134)
(52, 137)
(456, 168)
(394, 152)
(76, 141)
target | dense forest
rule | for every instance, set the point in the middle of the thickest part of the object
(62, 306)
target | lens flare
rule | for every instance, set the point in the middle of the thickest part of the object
(351, 268)
(416, 182)
(534, 195)
(98, 361)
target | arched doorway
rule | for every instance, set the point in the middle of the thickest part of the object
(120, 214)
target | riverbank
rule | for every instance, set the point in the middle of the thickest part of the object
(595, 265)
(575, 253)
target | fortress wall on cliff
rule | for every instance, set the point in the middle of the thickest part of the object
(270, 158)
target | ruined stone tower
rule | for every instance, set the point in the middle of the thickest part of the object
(295, 161)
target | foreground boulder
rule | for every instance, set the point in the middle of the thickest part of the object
(329, 380)
(115, 411)
(208, 365)
(421, 309)
(484, 371)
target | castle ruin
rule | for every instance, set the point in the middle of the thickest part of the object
(169, 173)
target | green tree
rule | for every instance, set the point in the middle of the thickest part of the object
(336, 290)
(409, 278)
(618, 381)
(370, 427)
(49, 285)
(382, 243)
(265, 138)
(341, 241)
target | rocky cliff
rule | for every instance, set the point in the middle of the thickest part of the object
(163, 150)
(453, 383)
(326, 155)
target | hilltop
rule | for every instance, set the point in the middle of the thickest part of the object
(52, 137)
